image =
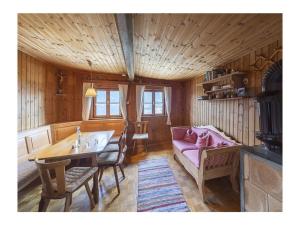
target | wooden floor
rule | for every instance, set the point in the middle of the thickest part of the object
(220, 195)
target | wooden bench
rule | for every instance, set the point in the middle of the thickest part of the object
(30, 141)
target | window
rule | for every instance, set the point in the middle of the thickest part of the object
(107, 103)
(153, 103)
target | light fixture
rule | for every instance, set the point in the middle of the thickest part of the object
(90, 92)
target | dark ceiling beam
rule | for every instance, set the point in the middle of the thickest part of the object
(125, 30)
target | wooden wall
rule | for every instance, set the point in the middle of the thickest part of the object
(237, 118)
(39, 105)
(36, 93)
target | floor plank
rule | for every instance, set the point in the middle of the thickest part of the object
(220, 195)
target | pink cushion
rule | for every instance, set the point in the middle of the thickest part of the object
(216, 139)
(183, 145)
(202, 140)
(190, 136)
(178, 132)
(193, 156)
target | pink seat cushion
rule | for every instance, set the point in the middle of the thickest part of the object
(183, 145)
(193, 156)
(190, 136)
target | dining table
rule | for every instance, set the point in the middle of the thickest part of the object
(89, 145)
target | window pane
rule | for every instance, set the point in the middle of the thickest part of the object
(158, 96)
(147, 108)
(114, 97)
(114, 109)
(148, 97)
(158, 108)
(101, 96)
(101, 109)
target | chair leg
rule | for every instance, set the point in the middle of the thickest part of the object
(134, 143)
(122, 170)
(88, 190)
(68, 202)
(101, 173)
(146, 145)
(117, 179)
(43, 205)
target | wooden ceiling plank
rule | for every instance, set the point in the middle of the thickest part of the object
(165, 46)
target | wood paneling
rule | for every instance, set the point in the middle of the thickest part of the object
(38, 103)
(36, 93)
(166, 46)
(261, 185)
(71, 39)
(63, 130)
(238, 118)
(101, 125)
(52, 108)
(180, 46)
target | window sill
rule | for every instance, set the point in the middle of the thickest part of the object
(147, 116)
(105, 119)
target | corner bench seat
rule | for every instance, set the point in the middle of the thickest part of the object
(30, 141)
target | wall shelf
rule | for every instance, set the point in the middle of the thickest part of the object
(219, 90)
(223, 99)
(225, 77)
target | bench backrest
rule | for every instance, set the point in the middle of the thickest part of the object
(33, 140)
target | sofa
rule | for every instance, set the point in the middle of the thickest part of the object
(206, 153)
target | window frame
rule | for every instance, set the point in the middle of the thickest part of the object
(153, 103)
(107, 116)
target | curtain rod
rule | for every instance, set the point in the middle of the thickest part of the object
(128, 82)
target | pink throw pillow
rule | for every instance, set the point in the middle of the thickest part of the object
(190, 136)
(203, 141)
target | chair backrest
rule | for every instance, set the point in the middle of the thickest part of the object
(51, 188)
(141, 127)
(122, 147)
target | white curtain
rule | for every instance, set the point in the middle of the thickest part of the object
(168, 100)
(86, 102)
(139, 101)
(123, 88)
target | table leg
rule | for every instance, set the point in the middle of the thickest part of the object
(95, 189)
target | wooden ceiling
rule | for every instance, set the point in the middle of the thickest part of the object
(165, 46)
(71, 39)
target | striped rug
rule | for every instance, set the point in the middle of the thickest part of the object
(158, 190)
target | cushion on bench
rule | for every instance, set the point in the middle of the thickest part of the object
(193, 156)
(183, 145)
(27, 172)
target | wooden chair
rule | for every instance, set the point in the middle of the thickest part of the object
(65, 182)
(141, 133)
(113, 158)
(115, 140)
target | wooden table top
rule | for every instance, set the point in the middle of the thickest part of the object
(91, 144)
